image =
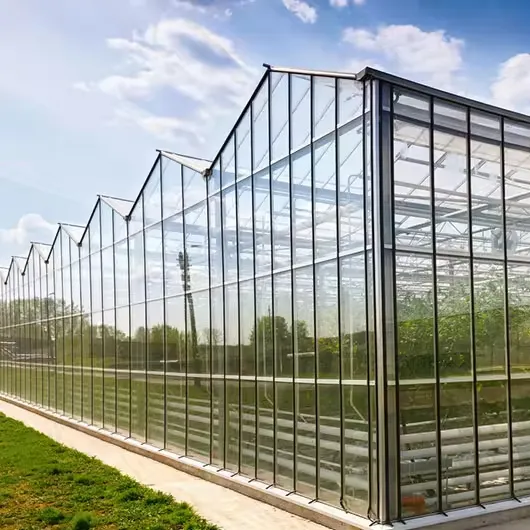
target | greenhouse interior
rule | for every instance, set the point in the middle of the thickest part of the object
(336, 305)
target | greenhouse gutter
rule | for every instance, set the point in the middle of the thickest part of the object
(448, 97)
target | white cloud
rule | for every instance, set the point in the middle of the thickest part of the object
(29, 227)
(164, 127)
(430, 56)
(222, 9)
(305, 12)
(512, 86)
(184, 58)
(356, 65)
(344, 3)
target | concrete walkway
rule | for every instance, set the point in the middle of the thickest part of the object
(228, 509)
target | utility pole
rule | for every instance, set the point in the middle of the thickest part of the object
(184, 265)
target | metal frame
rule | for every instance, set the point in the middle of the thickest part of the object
(360, 462)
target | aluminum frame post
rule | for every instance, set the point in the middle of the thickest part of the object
(388, 505)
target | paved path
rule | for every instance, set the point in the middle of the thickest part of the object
(226, 508)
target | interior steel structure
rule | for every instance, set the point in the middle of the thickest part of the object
(337, 305)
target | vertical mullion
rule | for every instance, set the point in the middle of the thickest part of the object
(18, 331)
(3, 362)
(28, 329)
(256, 394)
(22, 327)
(223, 289)
(437, 396)
(185, 289)
(210, 347)
(240, 360)
(34, 302)
(41, 400)
(339, 309)
(55, 320)
(293, 291)
(114, 302)
(72, 313)
(32, 335)
(91, 329)
(507, 349)
(41, 342)
(14, 328)
(146, 345)
(164, 311)
(22, 332)
(273, 323)
(102, 306)
(81, 330)
(127, 225)
(313, 242)
(63, 322)
(48, 331)
(472, 308)
(33, 327)
(17, 328)
(14, 304)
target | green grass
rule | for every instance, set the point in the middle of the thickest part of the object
(44, 485)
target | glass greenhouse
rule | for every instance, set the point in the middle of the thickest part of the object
(337, 305)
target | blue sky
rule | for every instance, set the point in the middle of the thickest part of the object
(91, 88)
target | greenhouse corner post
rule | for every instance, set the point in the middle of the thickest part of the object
(369, 278)
(383, 254)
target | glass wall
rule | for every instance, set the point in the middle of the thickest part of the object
(335, 305)
(460, 192)
(223, 314)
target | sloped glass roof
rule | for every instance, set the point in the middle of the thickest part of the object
(196, 164)
(74, 231)
(122, 206)
(43, 249)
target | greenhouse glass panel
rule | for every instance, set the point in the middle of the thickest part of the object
(335, 305)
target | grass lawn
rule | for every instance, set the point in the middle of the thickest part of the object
(43, 484)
